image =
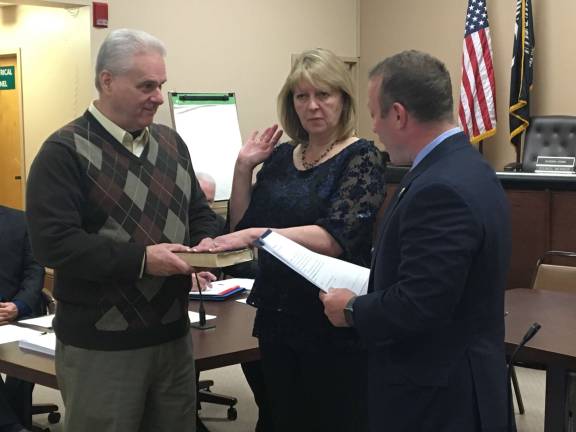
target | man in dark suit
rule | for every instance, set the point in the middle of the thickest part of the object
(21, 282)
(433, 318)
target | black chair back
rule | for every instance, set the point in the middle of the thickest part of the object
(548, 136)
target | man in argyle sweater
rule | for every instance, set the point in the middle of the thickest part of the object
(111, 196)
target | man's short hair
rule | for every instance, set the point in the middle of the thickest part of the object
(120, 46)
(418, 81)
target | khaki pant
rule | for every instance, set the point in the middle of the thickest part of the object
(142, 390)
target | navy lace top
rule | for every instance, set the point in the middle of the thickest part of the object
(342, 195)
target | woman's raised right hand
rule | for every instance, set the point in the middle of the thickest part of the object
(259, 146)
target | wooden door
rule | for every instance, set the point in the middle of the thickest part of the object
(11, 160)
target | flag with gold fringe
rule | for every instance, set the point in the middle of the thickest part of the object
(522, 73)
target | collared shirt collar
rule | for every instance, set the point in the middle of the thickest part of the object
(134, 145)
(433, 144)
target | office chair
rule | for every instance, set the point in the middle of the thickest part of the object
(546, 136)
(242, 270)
(206, 395)
(557, 276)
(551, 274)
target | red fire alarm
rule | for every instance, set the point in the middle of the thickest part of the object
(100, 14)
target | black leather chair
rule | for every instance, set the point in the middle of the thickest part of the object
(546, 136)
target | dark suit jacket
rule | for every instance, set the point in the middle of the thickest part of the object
(21, 277)
(435, 308)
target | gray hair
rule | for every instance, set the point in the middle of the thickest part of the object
(205, 177)
(208, 185)
(115, 54)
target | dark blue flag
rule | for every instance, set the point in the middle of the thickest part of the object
(522, 73)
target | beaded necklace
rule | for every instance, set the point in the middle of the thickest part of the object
(308, 165)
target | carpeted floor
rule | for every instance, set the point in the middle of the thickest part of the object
(230, 381)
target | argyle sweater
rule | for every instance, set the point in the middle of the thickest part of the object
(92, 209)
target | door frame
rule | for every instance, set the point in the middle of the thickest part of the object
(19, 89)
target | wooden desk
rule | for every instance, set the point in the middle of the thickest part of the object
(553, 346)
(230, 342)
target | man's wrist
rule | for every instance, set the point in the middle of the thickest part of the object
(22, 309)
(349, 311)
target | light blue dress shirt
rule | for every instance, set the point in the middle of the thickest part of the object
(433, 144)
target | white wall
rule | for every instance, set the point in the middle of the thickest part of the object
(437, 27)
(242, 46)
(55, 65)
(217, 45)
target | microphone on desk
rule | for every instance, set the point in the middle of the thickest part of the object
(534, 328)
(202, 325)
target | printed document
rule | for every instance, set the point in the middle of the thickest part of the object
(323, 271)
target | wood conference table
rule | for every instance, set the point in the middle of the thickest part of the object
(553, 347)
(230, 342)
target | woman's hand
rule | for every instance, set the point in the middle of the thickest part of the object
(236, 240)
(204, 245)
(258, 147)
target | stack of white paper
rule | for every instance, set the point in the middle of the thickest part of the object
(42, 343)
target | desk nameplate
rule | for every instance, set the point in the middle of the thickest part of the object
(555, 164)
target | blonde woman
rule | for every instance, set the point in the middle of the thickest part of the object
(322, 190)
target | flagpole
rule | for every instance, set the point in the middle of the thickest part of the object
(481, 146)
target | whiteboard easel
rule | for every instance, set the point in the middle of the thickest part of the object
(208, 124)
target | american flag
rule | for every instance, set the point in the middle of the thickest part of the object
(477, 107)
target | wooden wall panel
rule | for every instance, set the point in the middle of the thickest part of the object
(530, 233)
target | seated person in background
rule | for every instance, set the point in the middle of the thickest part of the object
(322, 190)
(208, 186)
(21, 282)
